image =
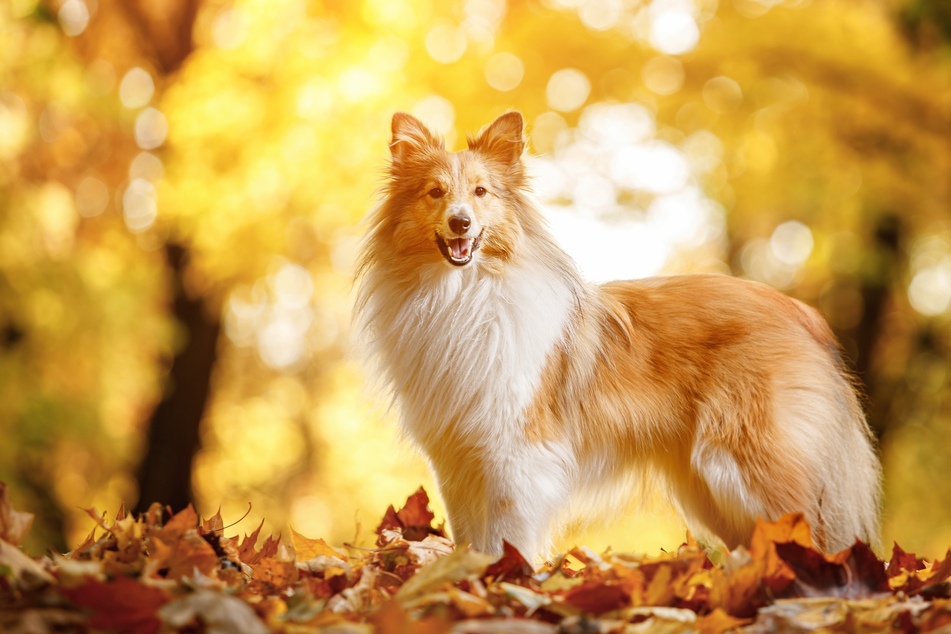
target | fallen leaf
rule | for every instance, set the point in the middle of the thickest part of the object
(19, 571)
(511, 566)
(454, 567)
(595, 597)
(121, 604)
(219, 613)
(306, 548)
(413, 521)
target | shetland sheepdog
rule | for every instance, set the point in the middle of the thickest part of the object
(532, 391)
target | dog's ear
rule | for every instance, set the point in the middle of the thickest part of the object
(410, 136)
(503, 139)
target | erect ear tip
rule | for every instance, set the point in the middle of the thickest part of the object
(512, 119)
(400, 119)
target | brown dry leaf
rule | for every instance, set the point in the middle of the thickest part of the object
(14, 524)
(190, 575)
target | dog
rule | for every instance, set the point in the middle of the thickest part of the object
(533, 392)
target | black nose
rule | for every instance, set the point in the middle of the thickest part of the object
(459, 224)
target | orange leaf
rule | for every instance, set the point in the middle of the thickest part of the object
(191, 553)
(306, 548)
(718, 622)
(178, 525)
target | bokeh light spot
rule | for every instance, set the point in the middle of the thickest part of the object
(151, 128)
(674, 32)
(446, 42)
(92, 197)
(230, 29)
(438, 113)
(567, 89)
(136, 88)
(73, 17)
(504, 71)
(791, 243)
(722, 94)
(148, 166)
(930, 289)
(14, 125)
(600, 15)
(139, 205)
(663, 75)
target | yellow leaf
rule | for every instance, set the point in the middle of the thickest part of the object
(306, 548)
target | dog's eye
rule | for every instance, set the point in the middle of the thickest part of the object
(480, 191)
(436, 192)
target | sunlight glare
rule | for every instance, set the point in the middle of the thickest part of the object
(656, 166)
(673, 28)
(604, 251)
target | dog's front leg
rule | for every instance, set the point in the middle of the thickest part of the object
(512, 494)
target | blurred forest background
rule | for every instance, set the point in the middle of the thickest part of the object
(182, 182)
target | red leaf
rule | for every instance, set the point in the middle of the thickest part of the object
(512, 566)
(122, 604)
(414, 519)
(595, 597)
(853, 574)
(902, 561)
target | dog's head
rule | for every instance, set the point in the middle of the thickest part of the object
(463, 208)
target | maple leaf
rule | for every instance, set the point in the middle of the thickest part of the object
(121, 604)
(903, 562)
(14, 524)
(413, 521)
(933, 582)
(190, 553)
(511, 566)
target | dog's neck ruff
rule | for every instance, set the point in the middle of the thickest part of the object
(465, 349)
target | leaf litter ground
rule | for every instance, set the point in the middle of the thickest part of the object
(156, 573)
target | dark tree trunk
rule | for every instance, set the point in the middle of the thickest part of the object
(165, 473)
(876, 295)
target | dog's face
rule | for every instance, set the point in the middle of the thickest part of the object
(462, 207)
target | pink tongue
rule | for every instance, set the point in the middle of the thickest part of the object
(460, 247)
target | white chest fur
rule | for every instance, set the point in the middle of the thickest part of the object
(467, 349)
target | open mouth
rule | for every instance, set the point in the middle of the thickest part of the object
(458, 251)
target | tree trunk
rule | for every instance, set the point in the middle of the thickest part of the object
(165, 473)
